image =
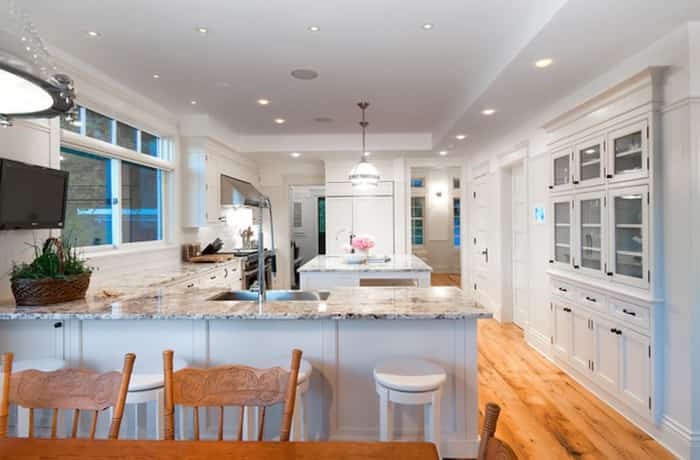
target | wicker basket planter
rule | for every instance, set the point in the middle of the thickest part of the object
(46, 291)
(49, 290)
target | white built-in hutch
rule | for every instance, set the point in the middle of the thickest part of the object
(606, 296)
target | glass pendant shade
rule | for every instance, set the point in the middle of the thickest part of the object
(364, 175)
(29, 86)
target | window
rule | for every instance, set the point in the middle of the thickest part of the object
(115, 196)
(141, 203)
(89, 202)
(456, 222)
(417, 213)
(417, 182)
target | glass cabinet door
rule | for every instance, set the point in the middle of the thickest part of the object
(628, 152)
(629, 215)
(590, 164)
(590, 233)
(562, 232)
(561, 170)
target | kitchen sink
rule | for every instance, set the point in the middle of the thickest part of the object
(274, 296)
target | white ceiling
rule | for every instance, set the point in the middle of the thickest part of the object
(435, 81)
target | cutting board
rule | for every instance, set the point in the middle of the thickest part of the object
(211, 258)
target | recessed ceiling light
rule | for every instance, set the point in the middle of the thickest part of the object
(314, 28)
(460, 137)
(427, 26)
(488, 112)
(263, 101)
(193, 102)
(202, 30)
(280, 121)
(156, 76)
(304, 74)
(542, 63)
(443, 153)
(295, 154)
(92, 33)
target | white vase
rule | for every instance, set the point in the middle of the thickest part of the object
(362, 252)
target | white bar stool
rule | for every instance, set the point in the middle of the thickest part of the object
(147, 384)
(412, 382)
(299, 421)
(44, 365)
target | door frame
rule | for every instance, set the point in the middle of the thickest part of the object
(507, 162)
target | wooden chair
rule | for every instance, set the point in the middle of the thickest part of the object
(65, 389)
(490, 447)
(242, 386)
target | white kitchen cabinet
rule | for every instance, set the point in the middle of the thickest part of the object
(562, 230)
(360, 215)
(590, 218)
(375, 216)
(561, 170)
(606, 355)
(590, 155)
(339, 218)
(563, 330)
(581, 340)
(635, 375)
(629, 152)
(629, 236)
(201, 190)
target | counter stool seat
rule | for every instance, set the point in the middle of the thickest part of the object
(412, 382)
(410, 375)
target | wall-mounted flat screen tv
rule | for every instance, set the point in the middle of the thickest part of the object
(31, 196)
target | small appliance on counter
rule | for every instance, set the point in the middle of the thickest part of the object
(213, 247)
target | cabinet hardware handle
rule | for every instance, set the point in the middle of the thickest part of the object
(190, 285)
(551, 261)
(576, 267)
(613, 330)
(563, 289)
(591, 299)
(575, 182)
(213, 277)
(618, 332)
(609, 176)
(627, 312)
(568, 310)
(609, 273)
(58, 325)
(551, 187)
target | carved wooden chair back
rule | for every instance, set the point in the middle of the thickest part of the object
(238, 386)
(79, 390)
(490, 447)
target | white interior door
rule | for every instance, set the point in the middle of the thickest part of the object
(520, 246)
(480, 240)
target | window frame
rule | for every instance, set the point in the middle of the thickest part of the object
(118, 154)
(421, 219)
(453, 216)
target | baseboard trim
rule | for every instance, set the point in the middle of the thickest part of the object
(675, 437)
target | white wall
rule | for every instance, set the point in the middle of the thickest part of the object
(438, 248)
(681, 184)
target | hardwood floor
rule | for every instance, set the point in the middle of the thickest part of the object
(545, 414)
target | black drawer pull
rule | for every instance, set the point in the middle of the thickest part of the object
(609, 273)
(609, 176)
(191, 285)
(575, 182)
(591, 299)
(551, 187)
(618, 332)
(627, 312)
(613, 330)
(551, 261)
(568, 310)
(213, 277)
(576, 267)
(563, 289)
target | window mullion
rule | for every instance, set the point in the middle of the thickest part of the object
(116, 188)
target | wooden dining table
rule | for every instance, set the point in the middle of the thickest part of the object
(64, 449)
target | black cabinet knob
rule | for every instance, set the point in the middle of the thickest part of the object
(575, 182)
(551, 261)
(576, 267)
(609, 176)
(609, 273)
(627, 312)
(618, 332)
(613, 330)
(551, 187)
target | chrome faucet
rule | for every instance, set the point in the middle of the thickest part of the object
(262, 285)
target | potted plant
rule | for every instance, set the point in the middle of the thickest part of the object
(57, 274)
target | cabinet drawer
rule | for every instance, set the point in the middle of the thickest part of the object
(593, 299)
(564, 290)
(630, 313)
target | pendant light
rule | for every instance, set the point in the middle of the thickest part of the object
(364, 175)
(29, 88)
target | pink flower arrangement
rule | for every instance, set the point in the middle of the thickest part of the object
(363, 242)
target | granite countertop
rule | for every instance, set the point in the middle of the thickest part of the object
(343, 303)
(398, 263)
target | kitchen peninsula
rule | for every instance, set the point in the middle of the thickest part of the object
(343, 334)
(323, 272)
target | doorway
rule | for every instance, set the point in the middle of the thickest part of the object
(307, 226)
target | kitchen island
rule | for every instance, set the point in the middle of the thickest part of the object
(323, 272)
(343, 337)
